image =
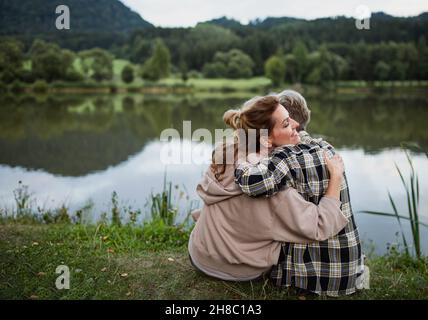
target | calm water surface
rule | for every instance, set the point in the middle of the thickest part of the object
(77, 150)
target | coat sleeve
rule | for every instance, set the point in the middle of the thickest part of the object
(299, 221)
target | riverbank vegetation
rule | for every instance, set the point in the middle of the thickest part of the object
(119, 258)
(108, 262)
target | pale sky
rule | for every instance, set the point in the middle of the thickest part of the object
(185, 13)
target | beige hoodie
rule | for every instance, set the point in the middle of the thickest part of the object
(237, 237)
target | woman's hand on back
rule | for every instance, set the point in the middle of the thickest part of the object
(335, 166)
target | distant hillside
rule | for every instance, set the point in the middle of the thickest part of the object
(383, 27)
(395, 47)
(31, 17)
(225, 22)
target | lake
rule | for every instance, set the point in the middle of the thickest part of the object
(76, 150)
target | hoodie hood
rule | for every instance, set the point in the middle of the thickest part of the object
(213, 191)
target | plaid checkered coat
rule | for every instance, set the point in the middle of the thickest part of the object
(329, 267)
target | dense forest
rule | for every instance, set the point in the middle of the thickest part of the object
(283, 49)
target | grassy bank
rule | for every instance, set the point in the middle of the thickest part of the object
(174, 84)
(151, 262)
(168, 85)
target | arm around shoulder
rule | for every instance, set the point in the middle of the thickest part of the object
(300, 221)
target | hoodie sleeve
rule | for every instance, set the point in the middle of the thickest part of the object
(299, 221)
(196, 214)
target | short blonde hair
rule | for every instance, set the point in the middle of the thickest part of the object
(296, 106)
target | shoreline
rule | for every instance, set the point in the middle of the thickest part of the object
(195, 86)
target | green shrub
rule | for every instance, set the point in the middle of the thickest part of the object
(40, 86)
(74, 76)
(17, 87)
(127, 74)
(193, 74)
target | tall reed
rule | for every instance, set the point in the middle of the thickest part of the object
(411, 187)
(161, 208)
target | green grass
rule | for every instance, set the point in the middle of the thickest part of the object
(118, 65)
(252, 84)
(109, 262)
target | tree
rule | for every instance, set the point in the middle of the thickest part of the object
(205, 40)
(11, 59)
(233, 64)
(324, 66)
(422, 47)
(399, 70)
(214, 70)
(239, 64)
(315, 76)
(332, 66)
(127, 74)
(382, 71)
(50, 62)
(184, 71)
(275, 70)
(159, 64)
(140, 50)
(300, 54)
(97, 64)
(291, 68)
(361, 56)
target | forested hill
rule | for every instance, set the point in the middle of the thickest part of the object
(109, 23)
(383, 27)
(32, 17)
(393, 48)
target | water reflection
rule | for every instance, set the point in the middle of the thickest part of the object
(73, 136)
(72, 149)
(133, 180)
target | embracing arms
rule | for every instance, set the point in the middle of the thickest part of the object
(268, 176)
(292, 213)
(299, 221)
(263, 175)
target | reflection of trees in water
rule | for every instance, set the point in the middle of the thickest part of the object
(77, 135)
(371, 123)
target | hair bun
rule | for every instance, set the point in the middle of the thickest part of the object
(232, 118)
